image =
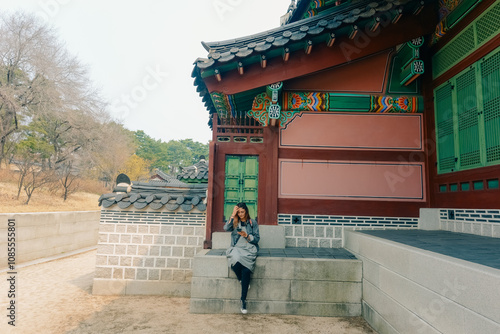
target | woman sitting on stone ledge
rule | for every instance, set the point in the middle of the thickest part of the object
(244, 246)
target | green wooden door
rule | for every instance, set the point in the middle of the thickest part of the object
(490, 79)
(444, 129)
(468, 117)
(241, 184)
(468, 121)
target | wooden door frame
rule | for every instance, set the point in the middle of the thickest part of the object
(267, 204)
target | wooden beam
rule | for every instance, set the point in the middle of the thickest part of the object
(286, 54)
(354, 32)
(217, 75)
(309, 45)
(331, 40)
(263, 61)
(397, 16)
(350, 207)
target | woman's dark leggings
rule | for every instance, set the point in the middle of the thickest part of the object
(243, 274)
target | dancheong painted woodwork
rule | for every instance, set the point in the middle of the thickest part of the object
(351, 106)
(295, 102)
(311, 101)
(450, 13)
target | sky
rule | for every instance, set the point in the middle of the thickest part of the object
(140, 54)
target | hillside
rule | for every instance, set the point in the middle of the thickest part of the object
(44, 200)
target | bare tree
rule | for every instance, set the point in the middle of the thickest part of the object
(50, 115)
(41, 81)
(22, 70)
(111, 150)
(68, 178)
(23, 168)
(31, 153)
(35, 179)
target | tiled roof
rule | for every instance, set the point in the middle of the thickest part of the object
(167, 180)
(199, 171)
(307, 8)
(236, 49)
(326, 25)
(158, 195)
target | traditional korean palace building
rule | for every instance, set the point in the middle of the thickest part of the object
(356, 114)
(366, 126)
(364, 137)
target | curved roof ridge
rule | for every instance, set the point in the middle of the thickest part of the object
(217, 45)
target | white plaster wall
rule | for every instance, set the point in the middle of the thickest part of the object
(44, 234)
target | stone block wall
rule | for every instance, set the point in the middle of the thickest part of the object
(410, 290)
(147, 251)
(328, 231)
(473, 221)
(45, 234)
(286, 285)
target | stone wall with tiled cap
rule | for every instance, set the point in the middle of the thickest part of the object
(473, 221)
(147, 251)
(328, 231)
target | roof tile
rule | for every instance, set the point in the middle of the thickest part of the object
(263, 46)
(297, 35)
(244, 52)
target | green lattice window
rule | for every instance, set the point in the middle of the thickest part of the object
(490, 75)
(444, 128)
(485, 27)
(468, 117)
(468, 129)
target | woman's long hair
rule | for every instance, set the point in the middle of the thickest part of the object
(244, 207)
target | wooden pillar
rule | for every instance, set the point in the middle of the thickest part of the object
(210, 195)
(268, 181)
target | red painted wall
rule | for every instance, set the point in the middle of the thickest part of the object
(345, 78)
(351, 131)
(349, 180)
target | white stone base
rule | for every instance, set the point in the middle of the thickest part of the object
(410, 290)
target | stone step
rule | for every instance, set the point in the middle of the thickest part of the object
(301, 286)
(231, 306)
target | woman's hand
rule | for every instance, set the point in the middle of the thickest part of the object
(235, 212)
(235, 217)
(243, 234)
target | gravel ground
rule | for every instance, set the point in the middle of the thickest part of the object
(56, 297)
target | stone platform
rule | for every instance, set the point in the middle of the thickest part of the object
(428, 281)
(299, 281)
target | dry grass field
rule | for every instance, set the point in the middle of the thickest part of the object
(46, 200)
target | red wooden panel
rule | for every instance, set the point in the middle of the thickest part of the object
(353, 131)
(386, 181)
(372, 69)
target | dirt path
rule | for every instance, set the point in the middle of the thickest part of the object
(55, 297)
